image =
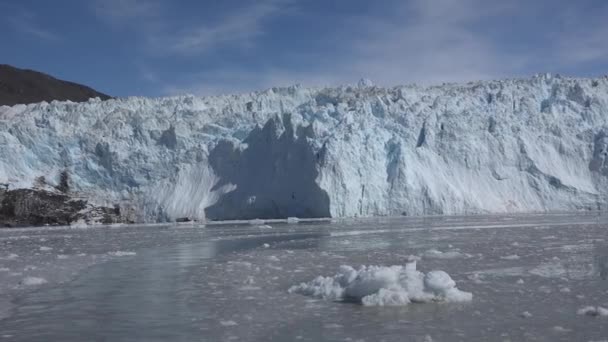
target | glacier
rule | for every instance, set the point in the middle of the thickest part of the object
(514, 145)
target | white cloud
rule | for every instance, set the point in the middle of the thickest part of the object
(437, 43)
(162, 36)
(583, 36)
(420, 41)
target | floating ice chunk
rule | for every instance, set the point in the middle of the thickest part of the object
(510, 257)
(45, 249)
(265, 226)
(381, 286)
(560, 329)
(62, 256)
(121, 253)
(266, 245)
(228, 323)
(549, 270)
(4, 269)
(273, 258)
(11, 256)
(33, 281)
(520, 281)
(436, 254)
(293, 220)
(526, 314)
(593, 311)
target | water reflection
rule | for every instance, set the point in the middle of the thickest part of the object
(601, 256)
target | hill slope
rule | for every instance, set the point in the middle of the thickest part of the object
(22, 86)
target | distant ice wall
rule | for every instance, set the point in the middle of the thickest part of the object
(524, 145)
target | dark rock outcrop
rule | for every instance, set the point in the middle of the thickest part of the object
(22, 86)
(35, 207)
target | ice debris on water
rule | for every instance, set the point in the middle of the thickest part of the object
(593, 311)
(526, 314)
(229, 323)
(33, 281)
(437, 254)
(121, 253)
(384, 286)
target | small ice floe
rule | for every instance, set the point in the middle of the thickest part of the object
(525, 314)
(273, 258)
(561, 329)
(476, 278)
(293, 220)
(384, 286)
(593, 311)
(4, 269)
(510, 257)
(33, 281)
(11, 256)
(229, 323)
(520, 281)
(266, 245)
(45, 249)
(265, 226)
(62, 256)
(437, 254)
(121, 253)
(549, 270)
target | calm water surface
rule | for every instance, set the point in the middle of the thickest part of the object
(229, 282)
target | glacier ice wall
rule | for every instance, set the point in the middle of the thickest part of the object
(521, 145)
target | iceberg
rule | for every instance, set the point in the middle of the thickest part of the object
(384, 286)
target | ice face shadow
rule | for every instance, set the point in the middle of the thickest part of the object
(275, 175)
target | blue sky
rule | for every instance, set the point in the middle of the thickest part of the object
(164, 47)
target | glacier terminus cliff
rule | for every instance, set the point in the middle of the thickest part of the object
(518, 145)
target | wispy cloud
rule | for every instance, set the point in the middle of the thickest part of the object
(234, 29)
(161, 35)
(583, 36)
(400, 42)
(437, 43)
(25, 22)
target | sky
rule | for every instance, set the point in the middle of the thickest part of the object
(203, 47)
